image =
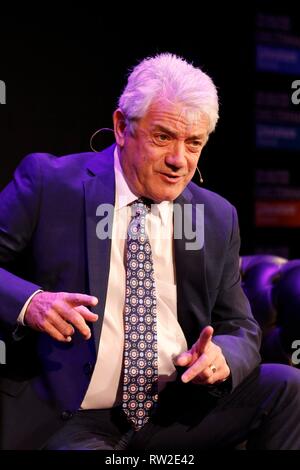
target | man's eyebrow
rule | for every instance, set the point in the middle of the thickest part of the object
(159, 127)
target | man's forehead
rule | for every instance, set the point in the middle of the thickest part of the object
(195, 127)
(176, 117)
(194, 130)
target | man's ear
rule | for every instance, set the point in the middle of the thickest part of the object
(119, 127)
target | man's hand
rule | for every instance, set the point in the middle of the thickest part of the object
(57, 313)
(205, 361)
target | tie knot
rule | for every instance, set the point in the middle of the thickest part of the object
(136, 228)
(141, 207)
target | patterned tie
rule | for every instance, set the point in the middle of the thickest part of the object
(140, 392)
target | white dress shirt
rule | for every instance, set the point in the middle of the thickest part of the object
(105, 389)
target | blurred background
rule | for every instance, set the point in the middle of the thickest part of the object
(62, 75)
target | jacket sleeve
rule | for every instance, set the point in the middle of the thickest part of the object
(19, 208)
(236, 330)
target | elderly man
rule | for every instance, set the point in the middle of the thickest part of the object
(121, 331)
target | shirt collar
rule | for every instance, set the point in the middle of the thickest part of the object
(124, 195)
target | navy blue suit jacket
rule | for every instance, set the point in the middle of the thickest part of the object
(48, 240)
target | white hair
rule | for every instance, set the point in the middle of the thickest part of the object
(173, 78)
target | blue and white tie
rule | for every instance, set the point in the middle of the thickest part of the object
(140, 385)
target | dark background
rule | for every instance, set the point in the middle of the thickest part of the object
(63, 76)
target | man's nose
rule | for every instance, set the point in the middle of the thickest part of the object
(176, 157)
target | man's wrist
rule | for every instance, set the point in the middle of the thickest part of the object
(21, 318)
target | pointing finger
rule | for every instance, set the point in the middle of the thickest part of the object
(80, 299)
(204, 339)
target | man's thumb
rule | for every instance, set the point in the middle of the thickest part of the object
(183, 359)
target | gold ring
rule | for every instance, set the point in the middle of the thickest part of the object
(213, 368)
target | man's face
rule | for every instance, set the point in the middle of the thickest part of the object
(161, 156)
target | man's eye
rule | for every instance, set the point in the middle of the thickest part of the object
(162, 138)
(195, 145)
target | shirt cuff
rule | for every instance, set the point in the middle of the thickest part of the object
(20, 319)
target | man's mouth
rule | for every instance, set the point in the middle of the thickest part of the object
(171, 178)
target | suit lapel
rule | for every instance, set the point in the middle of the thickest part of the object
(192, 293)
(99, 188)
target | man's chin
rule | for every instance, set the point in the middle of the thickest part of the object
(166, 196)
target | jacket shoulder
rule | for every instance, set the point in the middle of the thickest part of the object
(64, 167)
(211, 200)
(50, 161)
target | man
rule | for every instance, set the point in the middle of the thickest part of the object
(130, 335)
